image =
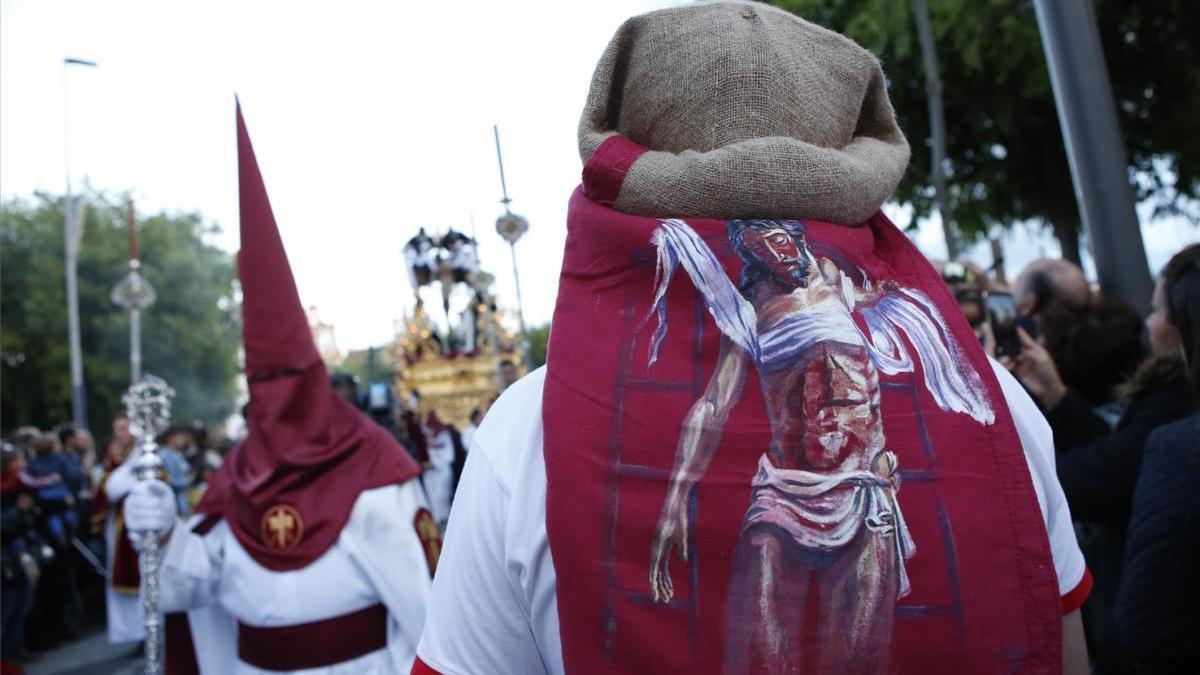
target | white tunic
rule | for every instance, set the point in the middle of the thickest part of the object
(377, 558)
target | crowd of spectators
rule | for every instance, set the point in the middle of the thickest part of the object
(53, 524)
(1121, 396)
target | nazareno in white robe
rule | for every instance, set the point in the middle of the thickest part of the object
(378, 557)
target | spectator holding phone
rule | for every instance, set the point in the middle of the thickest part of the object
(1077, 369)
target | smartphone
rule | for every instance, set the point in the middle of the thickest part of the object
(1002, 315)
(377, 396)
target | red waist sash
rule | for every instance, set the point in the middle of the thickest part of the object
(316, 644)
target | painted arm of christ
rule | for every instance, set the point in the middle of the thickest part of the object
(698, 440)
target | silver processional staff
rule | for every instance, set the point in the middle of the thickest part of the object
(148, 405)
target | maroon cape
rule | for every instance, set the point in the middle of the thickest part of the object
(984, 596)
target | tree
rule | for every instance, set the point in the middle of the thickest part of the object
(190, 337)
(1006, 158)
(359, 364)
(539, 336)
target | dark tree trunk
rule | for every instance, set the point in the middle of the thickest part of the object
(1066, 230)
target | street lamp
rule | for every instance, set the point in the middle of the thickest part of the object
(72, 236)
(512, 227)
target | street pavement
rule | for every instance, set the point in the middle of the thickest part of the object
(90, 655)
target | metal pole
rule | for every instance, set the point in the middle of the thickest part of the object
(512, 238)
(72, 229)
(500, 160)
(78, 398)
(495, 337)
(937, 126)
(1099, 170)
(135, 344)
(148, 468)
(520, 308)
(135, 310)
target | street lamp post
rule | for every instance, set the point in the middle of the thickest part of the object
(1095, 150)
(72, 236)
(512, 227)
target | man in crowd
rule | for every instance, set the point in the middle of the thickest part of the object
(1095, 343)
(1049, 284)
(75, 444)
(176, 444)
(79, 444)
(312, 549)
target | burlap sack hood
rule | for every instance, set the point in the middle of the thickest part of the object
(747, 111)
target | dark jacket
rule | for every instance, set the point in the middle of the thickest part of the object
(1075, 423)
(1158, 609)
(63, 462)
(1098, 470)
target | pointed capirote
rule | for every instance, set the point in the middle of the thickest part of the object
(275, 327)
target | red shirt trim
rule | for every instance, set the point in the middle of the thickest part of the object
(422, 668)
(1074, 600)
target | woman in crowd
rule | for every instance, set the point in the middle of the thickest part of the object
(1157, 607)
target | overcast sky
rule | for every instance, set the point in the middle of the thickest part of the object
(369, 119)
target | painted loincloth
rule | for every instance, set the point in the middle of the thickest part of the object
(823, 511)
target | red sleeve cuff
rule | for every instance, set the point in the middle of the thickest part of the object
(422, 668)
(1074, 600)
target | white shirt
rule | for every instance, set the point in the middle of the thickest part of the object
(378, 557)
(494, 608)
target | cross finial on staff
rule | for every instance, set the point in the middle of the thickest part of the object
(148, 406)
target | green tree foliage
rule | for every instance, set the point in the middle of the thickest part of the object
(1006, 158)
(190, 337)
(539, 336)
(358, 363)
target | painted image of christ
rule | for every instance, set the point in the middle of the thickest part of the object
(824, 501)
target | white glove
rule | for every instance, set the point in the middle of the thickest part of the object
(150, 507)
